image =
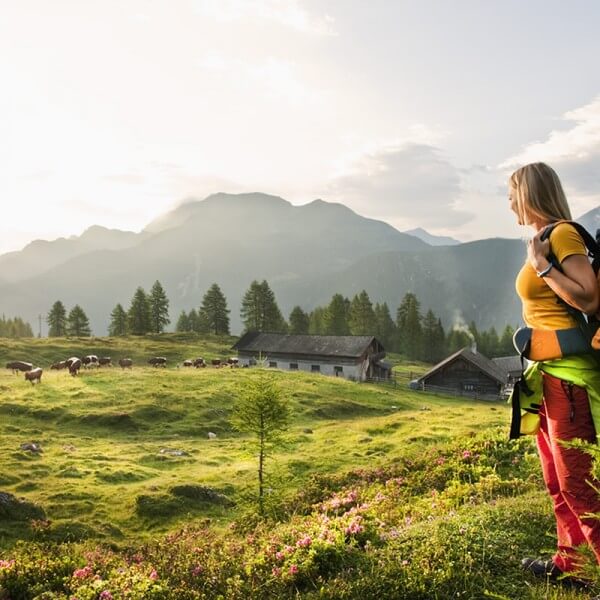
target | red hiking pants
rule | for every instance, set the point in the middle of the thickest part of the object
(565, 415)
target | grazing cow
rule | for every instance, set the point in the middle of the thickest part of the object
(233, 362)
(74, 364)
(19, 365)
(188, 363)
(199, 363)
(91, 360)
(158, 361)
(125, 363)
(216, 362)
(105, 361)
(34, 375)
(58, 366)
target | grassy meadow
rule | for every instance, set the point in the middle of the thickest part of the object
(377, 491)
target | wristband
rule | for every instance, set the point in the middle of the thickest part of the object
(545, 271)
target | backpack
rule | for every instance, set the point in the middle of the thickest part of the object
(589, 325)
(538, 344)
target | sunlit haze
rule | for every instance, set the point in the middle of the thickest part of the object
(112, 112)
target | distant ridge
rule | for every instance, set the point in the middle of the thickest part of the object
(432, 240)
(307, 253)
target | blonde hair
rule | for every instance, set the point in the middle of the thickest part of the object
(539, 194)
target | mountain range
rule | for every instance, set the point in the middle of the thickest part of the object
(306, 253)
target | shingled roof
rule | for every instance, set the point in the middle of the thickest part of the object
(349, 346)
(483, 363)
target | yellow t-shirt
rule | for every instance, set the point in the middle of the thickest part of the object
(540, 307)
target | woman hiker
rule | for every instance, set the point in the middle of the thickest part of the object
(570, 386)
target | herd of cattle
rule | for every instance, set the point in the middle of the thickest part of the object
(74, 364)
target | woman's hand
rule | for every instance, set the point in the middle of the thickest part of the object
(538, 251)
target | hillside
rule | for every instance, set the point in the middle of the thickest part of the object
(376, 492)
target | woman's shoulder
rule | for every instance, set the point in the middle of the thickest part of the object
(565, 240)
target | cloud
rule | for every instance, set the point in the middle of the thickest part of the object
(274, 78)
(409, 184)
(574, 152)
(288, 13)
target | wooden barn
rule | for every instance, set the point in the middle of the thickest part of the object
(355, 357)
(464, 373)
(511, 366)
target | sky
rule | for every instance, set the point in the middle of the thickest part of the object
(415, 113)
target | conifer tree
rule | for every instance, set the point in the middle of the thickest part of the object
(299, 321)
(138, 316)
(159, 308)
(118, 321)
(506, 342)
(214, 311)
(362, 316)
(459, 338)
(57, 320)
(385, 329)
(78, 325)
(183, 322)
(14, 328)
(261, 411)
(316, 321)
(259, 311)
(433, 346)
(408, 321)
(335, 320)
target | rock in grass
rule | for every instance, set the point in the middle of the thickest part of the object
(34, 447)
(200, 493)
(307, 430)
(13, 509)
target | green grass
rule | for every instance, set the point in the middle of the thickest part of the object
(111, 437)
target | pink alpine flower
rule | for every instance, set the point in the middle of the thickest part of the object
(7, 564)
(153, 575)
(466, 454)
(305, 542)
(276, 571)
(279, 555)
(83, 573)
(197, 570)
(293, 569)
(106, 595)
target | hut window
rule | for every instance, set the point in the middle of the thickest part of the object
(468, 387)
(293, 366)
(272, 364)
(338, 370)
(315, 368)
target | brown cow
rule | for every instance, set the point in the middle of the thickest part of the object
(105, 361)
(188, 363)
(34, 375)
(19, 365)
(125, 363)
(57, 366)
(216, 362)
(199, 363)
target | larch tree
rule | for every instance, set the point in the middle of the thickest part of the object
(261, 411)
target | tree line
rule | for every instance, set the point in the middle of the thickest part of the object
(14, 328)
(416, 335)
